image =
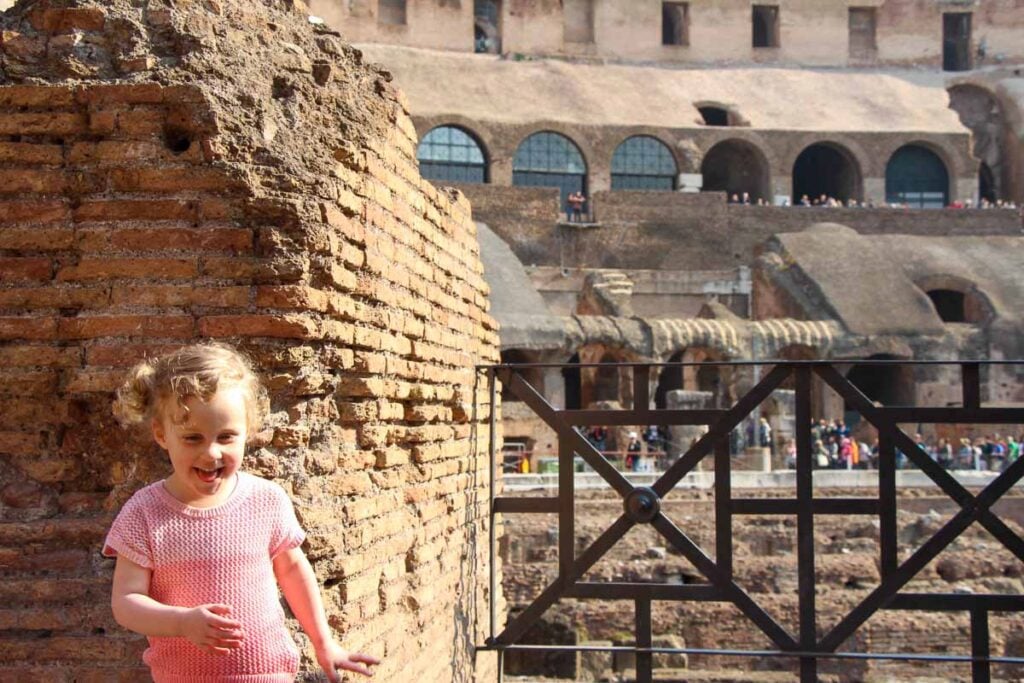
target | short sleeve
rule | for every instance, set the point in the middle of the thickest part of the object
(286, 533)
(129, 535)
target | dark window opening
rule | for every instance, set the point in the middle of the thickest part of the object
(643, 163)
(736, 167)
(487, 26)
(391, 12)
(675, 23)
(447, 153)
(949, 304)
(550, 160)
(765, 25)
(714, 116)
(823, 170)
(579, 21)
(670, 379)
(986, 183)
(915, 176)
(573, 384)
(532, 376)
(863, 41)
(889, 385)
(956, 41)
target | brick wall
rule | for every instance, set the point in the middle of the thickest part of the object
(132, 220)
(682, 231)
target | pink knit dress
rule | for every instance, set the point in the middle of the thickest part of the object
(222, 555)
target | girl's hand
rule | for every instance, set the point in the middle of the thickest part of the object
(332, 657)
(209, 629)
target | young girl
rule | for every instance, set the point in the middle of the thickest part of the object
(201, 553)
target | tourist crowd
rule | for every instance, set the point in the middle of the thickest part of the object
(829, 202)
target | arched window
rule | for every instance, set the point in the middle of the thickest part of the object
(917, 177)
(643, 163)
(949, 304)
(550, 160)
(826, 169)
(735, 167)
(451, 154)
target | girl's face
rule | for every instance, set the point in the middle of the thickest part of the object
(206, 446)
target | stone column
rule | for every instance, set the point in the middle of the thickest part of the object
(683, 435)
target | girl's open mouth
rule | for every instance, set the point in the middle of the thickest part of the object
(208, 476)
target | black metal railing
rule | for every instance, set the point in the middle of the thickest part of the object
(642, 505)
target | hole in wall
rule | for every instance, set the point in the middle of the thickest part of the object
(177, 140)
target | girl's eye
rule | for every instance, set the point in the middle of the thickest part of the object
(193, 439)
(226, 438)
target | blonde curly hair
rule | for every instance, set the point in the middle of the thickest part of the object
(194, 371)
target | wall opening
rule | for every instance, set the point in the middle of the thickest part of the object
(643, 162)
(391, 12)
(916, 176)
(669, 379)
(986, 183)
(606, 380)
(573, 384)
(890, 385)
(533, 376)
(735, 167)
(956, 41)
(862, 27)
(550, 160)
(578, 16)
(714, 116)
(765, 25)
(451, 154)
(949, 304)
(675, 23)
(826, 169)
(487, 26)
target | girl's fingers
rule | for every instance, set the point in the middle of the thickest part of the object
(367, 659)
(357, 668)
(224, 624)
(219, 608)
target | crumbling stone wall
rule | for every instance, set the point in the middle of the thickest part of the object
(228, 170)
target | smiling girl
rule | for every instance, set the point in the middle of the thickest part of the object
(201, 554)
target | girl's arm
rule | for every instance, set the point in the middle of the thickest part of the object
(301, 590)
(207, 626)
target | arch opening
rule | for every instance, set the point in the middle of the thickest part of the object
(606, 380)
(735, 167)
(915, 176)
(548, 159)
(889, 385)
(826, 170)
(573, 383)
(949, 304)
(669, 379)
(451, 154)
(533, 376)
(643, 162)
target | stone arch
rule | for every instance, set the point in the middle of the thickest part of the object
(737, 165)
(551, 158)
(493, 148)
(627, 174)
(975, 306)
(981, 111)
(915, 175)
(890, 385)
(829, 168)
(453, 153)
(533, 376)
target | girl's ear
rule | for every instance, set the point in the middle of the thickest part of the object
(157, 425)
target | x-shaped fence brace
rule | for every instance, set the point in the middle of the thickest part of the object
(641, 504)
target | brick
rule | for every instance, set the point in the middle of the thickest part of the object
(291, 297)
(255, 269)
(284, 326)
(68, 20)
(127, 210)
(54, 297)
(90, 268)
(36, 96)
(31, 154)
(20, 443)
(36, 239)
(180, 295)
(140, 120)
(118, 152)
(87, 327)
(174, 180)
(19, 181)
(159, 239)
(57, 124)
(123, 355)
(32, 212)
(35, 356)
(27, 328)
(20, 269)
(94, 381)
(138, 93)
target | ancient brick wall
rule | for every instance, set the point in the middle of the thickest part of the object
(683, 231)
(155, 193)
